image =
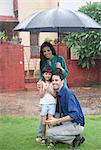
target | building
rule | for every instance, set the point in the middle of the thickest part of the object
(33, 40)
(8, 16)
(74, 4)
(27, 7)
(14, 11)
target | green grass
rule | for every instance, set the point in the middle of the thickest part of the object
(18, 133)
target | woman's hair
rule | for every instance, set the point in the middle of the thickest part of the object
(42, 57)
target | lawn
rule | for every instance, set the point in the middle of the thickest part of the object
(18, 133)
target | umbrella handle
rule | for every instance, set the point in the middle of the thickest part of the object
(58, 42)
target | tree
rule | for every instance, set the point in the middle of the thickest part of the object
(88, 44)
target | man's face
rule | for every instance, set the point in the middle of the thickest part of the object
(57, 82)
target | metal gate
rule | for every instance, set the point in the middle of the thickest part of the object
(31, 63)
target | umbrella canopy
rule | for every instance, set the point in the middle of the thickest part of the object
(58, 20)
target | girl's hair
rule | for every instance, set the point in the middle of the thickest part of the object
(42, 57)
(47, 69)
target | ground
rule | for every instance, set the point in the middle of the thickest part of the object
(25, 103)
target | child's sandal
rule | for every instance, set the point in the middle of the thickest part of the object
(38, 139)
(43, 141)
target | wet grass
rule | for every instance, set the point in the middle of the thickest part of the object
(18, 133)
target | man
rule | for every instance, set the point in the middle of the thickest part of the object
(71, 121)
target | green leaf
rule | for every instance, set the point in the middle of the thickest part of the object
(87, 44)
(93, 62)
(84, 65)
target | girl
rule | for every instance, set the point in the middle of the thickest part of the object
(47, 100)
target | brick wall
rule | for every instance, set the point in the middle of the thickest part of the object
(11, 67)
(83, 77)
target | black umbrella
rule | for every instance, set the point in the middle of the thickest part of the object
(58, 20)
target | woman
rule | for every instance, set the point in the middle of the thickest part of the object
(48, 58)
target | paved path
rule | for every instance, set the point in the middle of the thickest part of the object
(25, 103)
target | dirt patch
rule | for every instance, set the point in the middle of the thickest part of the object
(25, 103)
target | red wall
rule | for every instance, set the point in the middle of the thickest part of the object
(78, 76)
(83, 77)
(11, 67)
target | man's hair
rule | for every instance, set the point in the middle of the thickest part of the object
(60, 74)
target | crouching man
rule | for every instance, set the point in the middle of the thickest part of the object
(70, 124)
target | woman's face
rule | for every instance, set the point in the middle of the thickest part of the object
(47, 52)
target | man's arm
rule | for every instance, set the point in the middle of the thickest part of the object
(55, 121)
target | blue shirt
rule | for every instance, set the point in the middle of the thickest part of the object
(70, 105)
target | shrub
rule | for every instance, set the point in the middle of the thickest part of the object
(87, 45)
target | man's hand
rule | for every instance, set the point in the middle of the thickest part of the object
(52, 121)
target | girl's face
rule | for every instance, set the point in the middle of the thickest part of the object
(47, 52)
(47, 76)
